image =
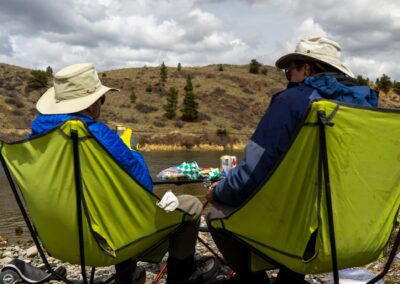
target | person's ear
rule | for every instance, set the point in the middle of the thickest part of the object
(307, 70)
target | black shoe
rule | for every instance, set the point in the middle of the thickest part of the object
(254, 278)
(137, 276)
(192, 271)
(205, 268)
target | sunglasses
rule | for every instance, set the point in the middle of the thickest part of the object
(288, 70)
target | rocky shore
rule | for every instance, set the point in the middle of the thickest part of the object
(27, 251)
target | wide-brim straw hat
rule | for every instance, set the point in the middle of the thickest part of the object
(76, 87)
(318, 49)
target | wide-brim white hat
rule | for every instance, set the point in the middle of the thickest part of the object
(318, 49)
(76, 87)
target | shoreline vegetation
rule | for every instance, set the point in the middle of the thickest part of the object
(160, 141)
(200, 147)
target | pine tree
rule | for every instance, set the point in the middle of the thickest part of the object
(179, 67)
(384, 83)
(163, 72)
(49, 71)
(362, 81)
(172, 103)
(189, 110)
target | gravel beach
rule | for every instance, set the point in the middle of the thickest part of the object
(27, 252)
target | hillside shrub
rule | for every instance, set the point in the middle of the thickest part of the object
(264, 71)
(158, 123)
(38, 79)
(149, 88)
(254, 66)
(179, 123)
(219, 91)
(133, 97)
(15, 102)
(247, 90)
(210, 76)
(131, 119)
(143, 108)
(221, 132)
(17, 112)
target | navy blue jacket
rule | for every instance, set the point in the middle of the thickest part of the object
(132, 161)
(276, 129)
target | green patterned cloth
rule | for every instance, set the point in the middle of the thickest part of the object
(214, 174)
(190, 169)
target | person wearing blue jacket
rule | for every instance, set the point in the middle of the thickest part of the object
(313, 71)
(79, 94)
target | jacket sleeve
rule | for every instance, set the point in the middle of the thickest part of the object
(131, 161)
(269, 142)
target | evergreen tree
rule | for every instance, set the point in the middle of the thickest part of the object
(384, 83)
(254, 66)
(172, 103)
(179, 68)
(189, 110)
(49, 71)
(362, 81)
(189, 86)
(163, 72)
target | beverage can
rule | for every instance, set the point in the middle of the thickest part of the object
(227, 163)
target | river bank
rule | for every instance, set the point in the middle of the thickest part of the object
(27, 251)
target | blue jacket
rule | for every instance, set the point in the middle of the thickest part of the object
(131, 161)
(276, 129)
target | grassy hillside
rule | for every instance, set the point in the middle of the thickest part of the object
(231, 101)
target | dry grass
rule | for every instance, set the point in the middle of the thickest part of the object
(233, 100)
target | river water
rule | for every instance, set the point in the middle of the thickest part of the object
(12, 221)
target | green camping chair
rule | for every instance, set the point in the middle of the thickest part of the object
(81, 204)
(333, 199)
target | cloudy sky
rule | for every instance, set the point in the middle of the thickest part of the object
(133, 33)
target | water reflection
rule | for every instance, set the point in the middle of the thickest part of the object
(11, 218)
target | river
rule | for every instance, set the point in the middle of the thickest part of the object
(11, 219)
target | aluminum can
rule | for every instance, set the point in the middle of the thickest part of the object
(227, 163)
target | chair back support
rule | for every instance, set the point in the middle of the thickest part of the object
(287, 218)
(120, 219)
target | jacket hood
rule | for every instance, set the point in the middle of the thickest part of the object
(330, 88)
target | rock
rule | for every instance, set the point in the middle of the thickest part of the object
(32, 251)
(5, 260)
(3, 242)
(7, 254)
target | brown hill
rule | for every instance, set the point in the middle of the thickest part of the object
(230, 101)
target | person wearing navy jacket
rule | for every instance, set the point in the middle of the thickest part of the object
(314, 70)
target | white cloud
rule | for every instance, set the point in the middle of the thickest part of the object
(122, 33)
